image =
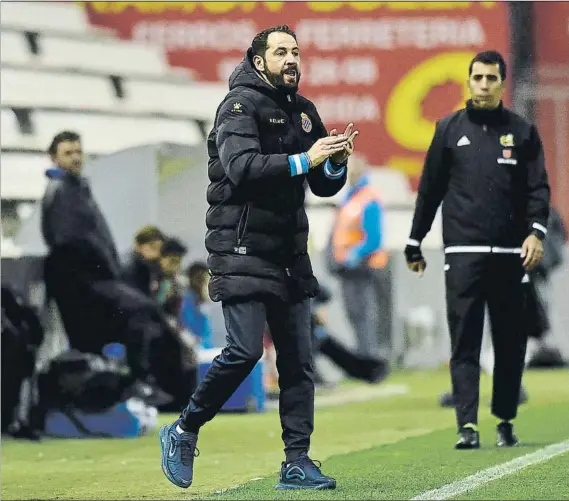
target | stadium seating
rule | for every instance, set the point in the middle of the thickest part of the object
(14, 48)
(28, 88)
(22, 176)
(45, 16)
(107, 133)
(61, 72)
(107, 56)
(12, 137)
(196, 100)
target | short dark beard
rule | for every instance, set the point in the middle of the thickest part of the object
(277, 80)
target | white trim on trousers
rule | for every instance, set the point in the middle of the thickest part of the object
(458, 249)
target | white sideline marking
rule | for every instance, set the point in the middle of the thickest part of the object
(361, 394)
(343, 396)
(233, 487)
(484, 476)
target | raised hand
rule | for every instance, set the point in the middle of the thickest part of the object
(326, 147)
(341, 156)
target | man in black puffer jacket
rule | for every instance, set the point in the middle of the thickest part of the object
(266, 142)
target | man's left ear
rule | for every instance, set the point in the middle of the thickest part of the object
(259, 63)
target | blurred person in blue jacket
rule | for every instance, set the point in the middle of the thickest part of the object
(359, 260)
(192, 316)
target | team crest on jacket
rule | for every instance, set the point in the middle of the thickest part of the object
(507, 141)
(507, 158)
(305, 122)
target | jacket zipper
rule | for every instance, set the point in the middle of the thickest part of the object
(242, 226)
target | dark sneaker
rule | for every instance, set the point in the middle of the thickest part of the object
(178, 452)
(304, 473)
(506, 437)
(469, 438)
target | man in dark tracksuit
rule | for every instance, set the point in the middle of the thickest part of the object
(82, 251)
(266, 142)
(486, 165)
(82, 274)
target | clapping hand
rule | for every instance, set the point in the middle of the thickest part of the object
(342, 156)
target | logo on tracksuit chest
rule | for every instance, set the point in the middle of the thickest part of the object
(507, 142)
(305, 122)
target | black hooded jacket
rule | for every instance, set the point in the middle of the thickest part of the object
(487, 168)
(257, 226)
(75, 230)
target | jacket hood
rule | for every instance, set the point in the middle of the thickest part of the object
(245, 75)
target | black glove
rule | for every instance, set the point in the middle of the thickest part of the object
(413, 253)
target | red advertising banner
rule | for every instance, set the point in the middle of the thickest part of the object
(392, 68)
(551, 39)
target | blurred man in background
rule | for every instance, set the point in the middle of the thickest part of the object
(82, 268)
(361, 264)
(486, 165)
(83, 275)
(141, 270)
(267, 142)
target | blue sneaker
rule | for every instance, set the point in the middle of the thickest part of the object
(178, 452)
(304, 473)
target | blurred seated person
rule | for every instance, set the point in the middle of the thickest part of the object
(171, 289)
(142, 270)
(192, 315)
(169, 297)
(356, 365)
(366, 367)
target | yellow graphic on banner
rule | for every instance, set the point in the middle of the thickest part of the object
(224, 7)
(371, 6)
(186, 7)
(404, 118)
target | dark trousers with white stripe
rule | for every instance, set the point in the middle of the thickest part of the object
(474, 280)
